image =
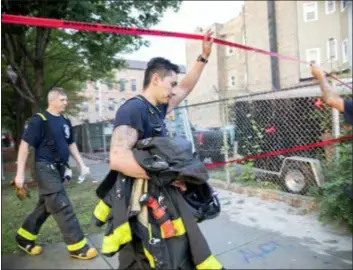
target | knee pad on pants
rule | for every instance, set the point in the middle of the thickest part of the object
(57, 202)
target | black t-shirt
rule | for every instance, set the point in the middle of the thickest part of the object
(144, 117)
(62, 134)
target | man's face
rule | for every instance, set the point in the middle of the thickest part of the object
(165, 88)
(60, 103)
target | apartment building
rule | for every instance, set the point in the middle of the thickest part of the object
(308, 30)
(323, 34)
(105, 97)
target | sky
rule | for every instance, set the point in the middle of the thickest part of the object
(192, 14)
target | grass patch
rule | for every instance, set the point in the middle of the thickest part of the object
(14, 211)
(244, 179)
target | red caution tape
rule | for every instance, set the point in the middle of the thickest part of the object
(97, 27)
(281, 151)
(108, 28)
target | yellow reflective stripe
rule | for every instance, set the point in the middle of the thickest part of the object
(120, 236)
(42, 116)
(78, 245)
(178, 226)
(210, 263)
(101, 211)
(149, 257)
(108, 245)
(149, 231)
(26, 234)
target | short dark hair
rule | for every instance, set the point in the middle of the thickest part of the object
(160, 65)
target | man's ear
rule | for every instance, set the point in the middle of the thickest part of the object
(155, 80)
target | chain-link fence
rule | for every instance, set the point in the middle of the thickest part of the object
(274, 123)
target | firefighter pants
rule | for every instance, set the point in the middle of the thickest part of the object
(58, 205)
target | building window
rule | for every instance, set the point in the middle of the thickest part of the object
(313, 55)
(97, 104)
(231, 82)
(330, 6)
(229, 49)
(110, 85)
(133, 85)
(111, 104)
(332, 49)
(85, 106)
(310, 11)
(122, 85)
(343, 5)
(345, 51)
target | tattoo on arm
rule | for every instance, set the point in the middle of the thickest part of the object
(124, 137)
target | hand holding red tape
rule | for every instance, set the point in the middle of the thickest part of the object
(96, 27)
(108, 28)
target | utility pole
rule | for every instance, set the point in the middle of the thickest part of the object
(271, 17)
(349, 10)
(101, 118)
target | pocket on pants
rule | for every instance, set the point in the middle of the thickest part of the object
(49, 180)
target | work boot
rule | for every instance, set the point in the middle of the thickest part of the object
(28, 246)
(85, 253)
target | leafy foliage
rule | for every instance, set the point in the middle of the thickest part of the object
(336, 196)
(44, 57)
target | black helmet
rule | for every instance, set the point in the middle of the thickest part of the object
(203, 201)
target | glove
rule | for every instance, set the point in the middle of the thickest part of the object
(21, 193)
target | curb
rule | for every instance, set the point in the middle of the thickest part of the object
(269, 195)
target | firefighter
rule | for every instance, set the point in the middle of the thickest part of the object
(51, 135)
(160, 95)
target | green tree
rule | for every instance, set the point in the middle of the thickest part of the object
(42, 58)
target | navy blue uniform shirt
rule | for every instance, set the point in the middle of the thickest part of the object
(348, 111)
(61, 133)
(141, 115)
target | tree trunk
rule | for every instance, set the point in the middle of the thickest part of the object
(20, 119)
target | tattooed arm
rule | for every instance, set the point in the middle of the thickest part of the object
(121, 157)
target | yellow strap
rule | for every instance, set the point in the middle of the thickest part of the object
(150, 258)
(178, 226)
(101, 211)
(26, 234)
(210, 263)
(78, 245)
(42, 116)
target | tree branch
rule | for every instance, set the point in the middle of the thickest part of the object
(61, 77)
(26, 53)
(20, 92)
(13, 64)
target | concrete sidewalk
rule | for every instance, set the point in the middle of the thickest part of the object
(245, 236)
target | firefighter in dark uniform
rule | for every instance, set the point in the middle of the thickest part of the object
(143, 117)
(50, 133)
